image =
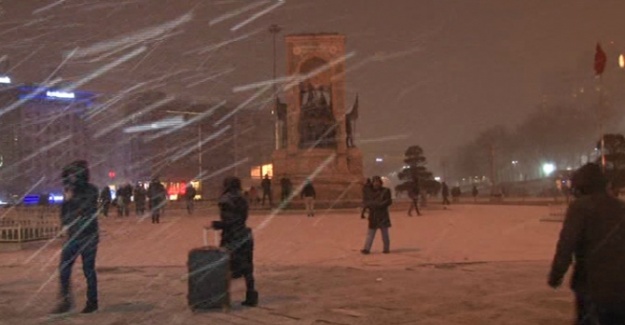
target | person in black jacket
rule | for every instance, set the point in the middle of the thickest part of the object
(139, 195)
(593, 239)
(236, 237)
(79, 218)
(189, 196)
(413, 193)
(445, 193)
(265, 184)
(309, 195)
(105, 200)
(157, 196)
(379, 217)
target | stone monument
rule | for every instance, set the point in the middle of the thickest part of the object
(314, 128)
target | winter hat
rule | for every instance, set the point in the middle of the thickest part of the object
(232, 183)
(589, 179)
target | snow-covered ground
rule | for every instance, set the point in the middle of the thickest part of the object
(471, 264)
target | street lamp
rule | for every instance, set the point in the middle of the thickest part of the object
(199, 139)
(621, 61)
(274, 30)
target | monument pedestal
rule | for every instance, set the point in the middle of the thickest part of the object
(337, 177)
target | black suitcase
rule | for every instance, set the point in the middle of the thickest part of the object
(209, 278)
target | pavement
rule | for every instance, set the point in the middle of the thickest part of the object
(467, 264)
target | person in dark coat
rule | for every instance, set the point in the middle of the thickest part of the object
(139, 196)
(379, 217)
(413, 193)
(367, 188)
(286, 186)
(189, 196)
(105, 200)
(157, 197)
(445, 193)
(79, 218)
(593, 239)
(309, 195)
(456, 193)
(265, 184)
(474, 192)
(236, 237)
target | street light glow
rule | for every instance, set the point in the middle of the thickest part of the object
(60, 94)
(379, 159)
(548, 168)
(621, 61)
(5, 80)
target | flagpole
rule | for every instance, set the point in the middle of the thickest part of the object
(601, 126)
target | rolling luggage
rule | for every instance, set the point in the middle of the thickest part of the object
(209, 277)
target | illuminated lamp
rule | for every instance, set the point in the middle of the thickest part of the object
(60, 94)
(5, 80)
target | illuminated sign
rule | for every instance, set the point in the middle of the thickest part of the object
(60, 94)
(5, 80)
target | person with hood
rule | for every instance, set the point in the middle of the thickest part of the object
(157, 197)
(379, 218)
(236, 237)
(593, 240)
(309, 195)
(105, 200)
(79, 219)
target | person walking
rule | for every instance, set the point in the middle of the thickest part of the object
(157, 196)
(265, 184)
(413, 193)
(105, 200)
(474, 193)
(379, 217)
(309, 195)
(189, 196)
(593, 240)
(445, 193)
(236, 237)
(79, 218)
(139, 196)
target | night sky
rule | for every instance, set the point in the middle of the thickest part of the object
(432, 73)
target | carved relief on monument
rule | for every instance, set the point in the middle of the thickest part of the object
(317, 121)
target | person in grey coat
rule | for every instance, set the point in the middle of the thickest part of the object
(379, 217)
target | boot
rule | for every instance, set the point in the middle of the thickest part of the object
(90, 307)
(251, 299)
(64, 307)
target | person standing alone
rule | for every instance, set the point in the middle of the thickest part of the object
(265, 184)
(309, 195)
(379, 218)
(157, 196)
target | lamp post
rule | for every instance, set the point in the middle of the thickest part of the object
(199, 139)
(274, 30)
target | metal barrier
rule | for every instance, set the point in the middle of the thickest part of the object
(23, 225)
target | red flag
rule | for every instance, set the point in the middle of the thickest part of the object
(600, 60)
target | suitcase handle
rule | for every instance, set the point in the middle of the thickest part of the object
(205, 237)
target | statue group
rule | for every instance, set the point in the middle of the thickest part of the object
(317, 121)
